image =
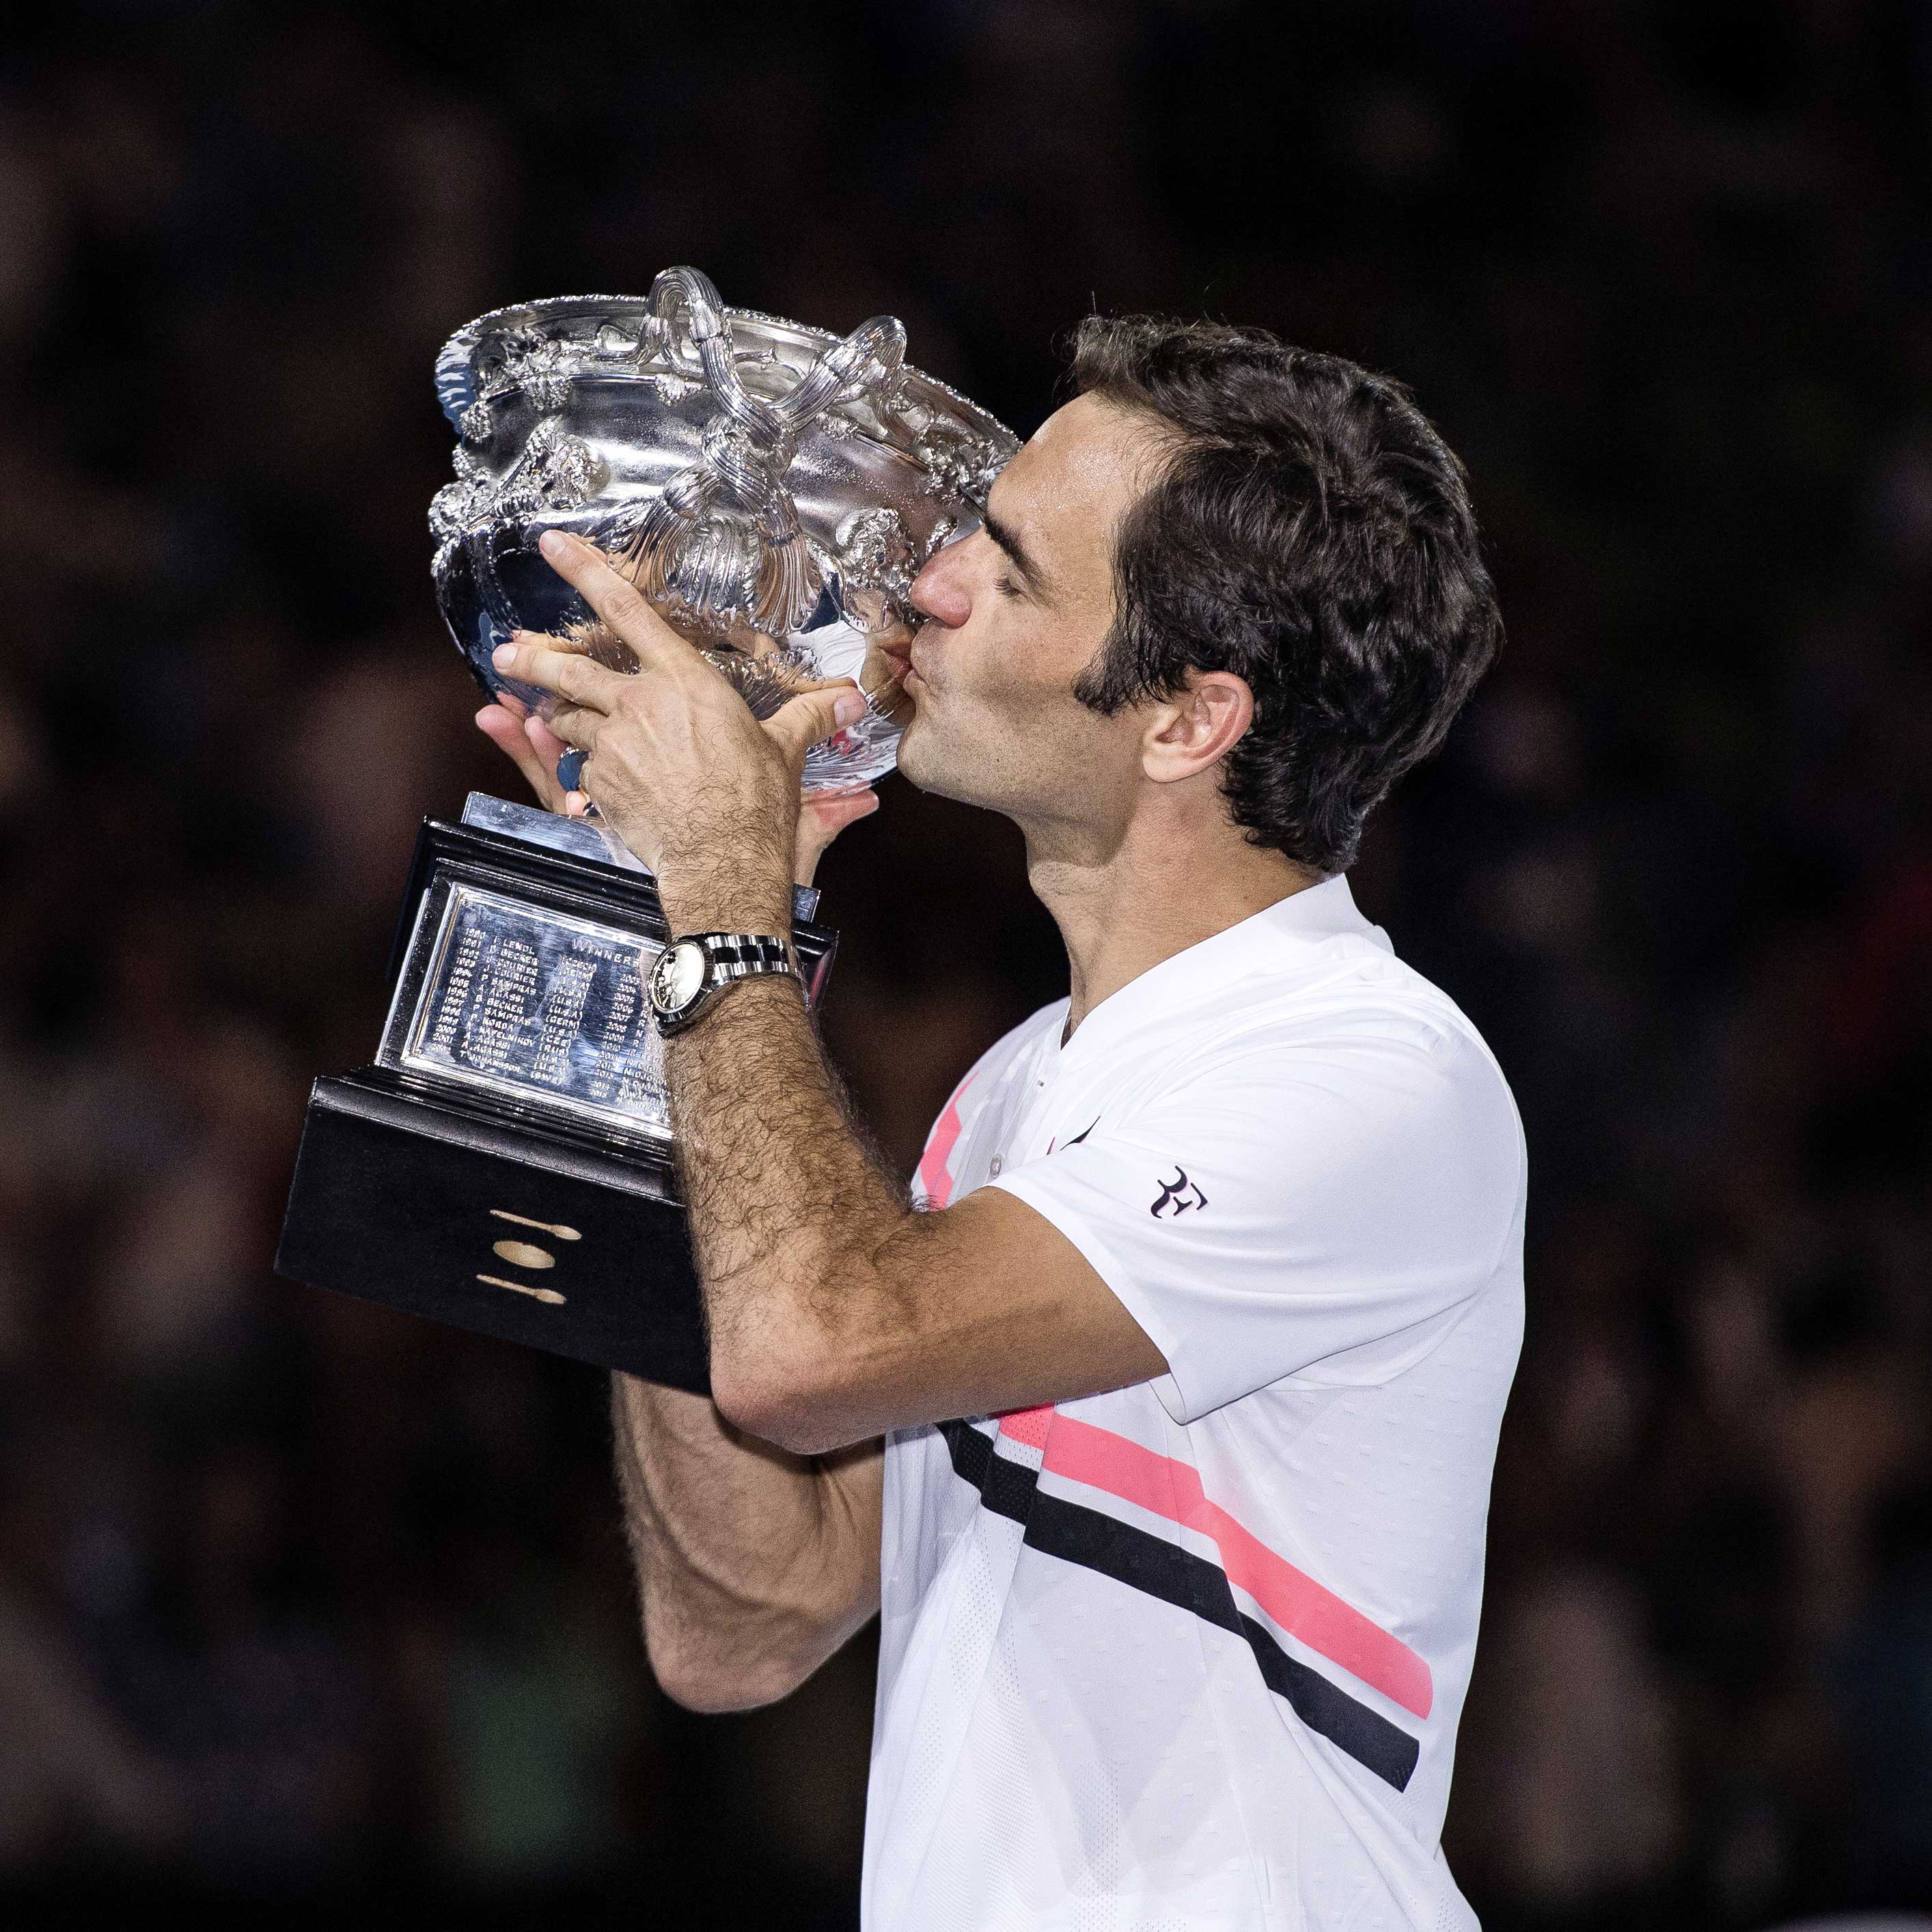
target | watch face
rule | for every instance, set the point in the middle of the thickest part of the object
(678, 976)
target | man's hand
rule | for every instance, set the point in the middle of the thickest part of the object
(532, 746)
(594, 711)
(706, 796)
(822, 816)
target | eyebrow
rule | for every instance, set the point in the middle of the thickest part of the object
(1018, 555)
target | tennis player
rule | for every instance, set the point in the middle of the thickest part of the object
(1158, 1422)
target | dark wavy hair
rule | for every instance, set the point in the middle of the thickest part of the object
(1311, 532)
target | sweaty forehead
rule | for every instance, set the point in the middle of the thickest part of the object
(1070, 485)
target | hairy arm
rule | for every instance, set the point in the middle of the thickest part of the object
(753, 1564)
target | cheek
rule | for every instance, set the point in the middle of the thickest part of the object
(1029, 660)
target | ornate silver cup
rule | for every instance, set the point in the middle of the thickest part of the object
(772, 489)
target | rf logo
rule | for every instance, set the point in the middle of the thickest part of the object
(1177, 1196)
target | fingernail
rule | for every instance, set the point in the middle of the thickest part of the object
(849, 710)
(553, 543)
(503, 656)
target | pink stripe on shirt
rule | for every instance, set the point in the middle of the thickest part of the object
(1301, 1606)
(935, 1175)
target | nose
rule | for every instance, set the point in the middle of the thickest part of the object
(939, 591)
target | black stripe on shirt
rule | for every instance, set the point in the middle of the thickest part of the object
(1156, 1567)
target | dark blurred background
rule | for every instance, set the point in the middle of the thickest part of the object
(303, 1600)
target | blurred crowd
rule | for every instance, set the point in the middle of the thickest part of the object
(302, 1599)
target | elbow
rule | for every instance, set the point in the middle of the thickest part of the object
(692, 1687)
(787, 1396)
(712, 1686)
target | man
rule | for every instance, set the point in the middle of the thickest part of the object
(1220, 1259)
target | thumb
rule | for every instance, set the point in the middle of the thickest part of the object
(802, 721)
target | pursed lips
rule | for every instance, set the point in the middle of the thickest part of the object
(906, 662)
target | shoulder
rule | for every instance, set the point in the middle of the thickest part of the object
(1346, 993)
(1361, 999)
(1343, 1044)
(1363, 1115)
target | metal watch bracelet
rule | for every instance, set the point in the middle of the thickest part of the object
(695, 967)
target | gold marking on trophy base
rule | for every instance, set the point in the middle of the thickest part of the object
(549, 1295)
(555, 1227)
(523, 1254)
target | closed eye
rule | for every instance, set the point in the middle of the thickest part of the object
(1008, 588)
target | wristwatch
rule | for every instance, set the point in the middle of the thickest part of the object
(691, 973)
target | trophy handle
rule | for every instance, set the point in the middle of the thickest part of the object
(722, 549)
(864, 361)
(842, 373)
(693, 293)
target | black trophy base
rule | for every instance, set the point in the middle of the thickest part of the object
(423, 1202)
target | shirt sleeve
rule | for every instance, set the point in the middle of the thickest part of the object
(1301, 1210)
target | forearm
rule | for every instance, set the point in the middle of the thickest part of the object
(789, 1210)
(753, 1564)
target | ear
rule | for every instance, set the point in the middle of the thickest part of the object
(1196, 728)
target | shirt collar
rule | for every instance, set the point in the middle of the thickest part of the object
(1265, 939)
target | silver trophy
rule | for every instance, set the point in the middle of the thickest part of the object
(772, 490)
(506, 1163)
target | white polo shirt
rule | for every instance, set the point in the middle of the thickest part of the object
(1191, 1653)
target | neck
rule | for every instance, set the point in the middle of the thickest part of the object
(1153, 893)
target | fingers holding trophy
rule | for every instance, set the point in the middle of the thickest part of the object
(766, 674)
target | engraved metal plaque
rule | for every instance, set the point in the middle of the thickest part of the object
(531, 1004)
